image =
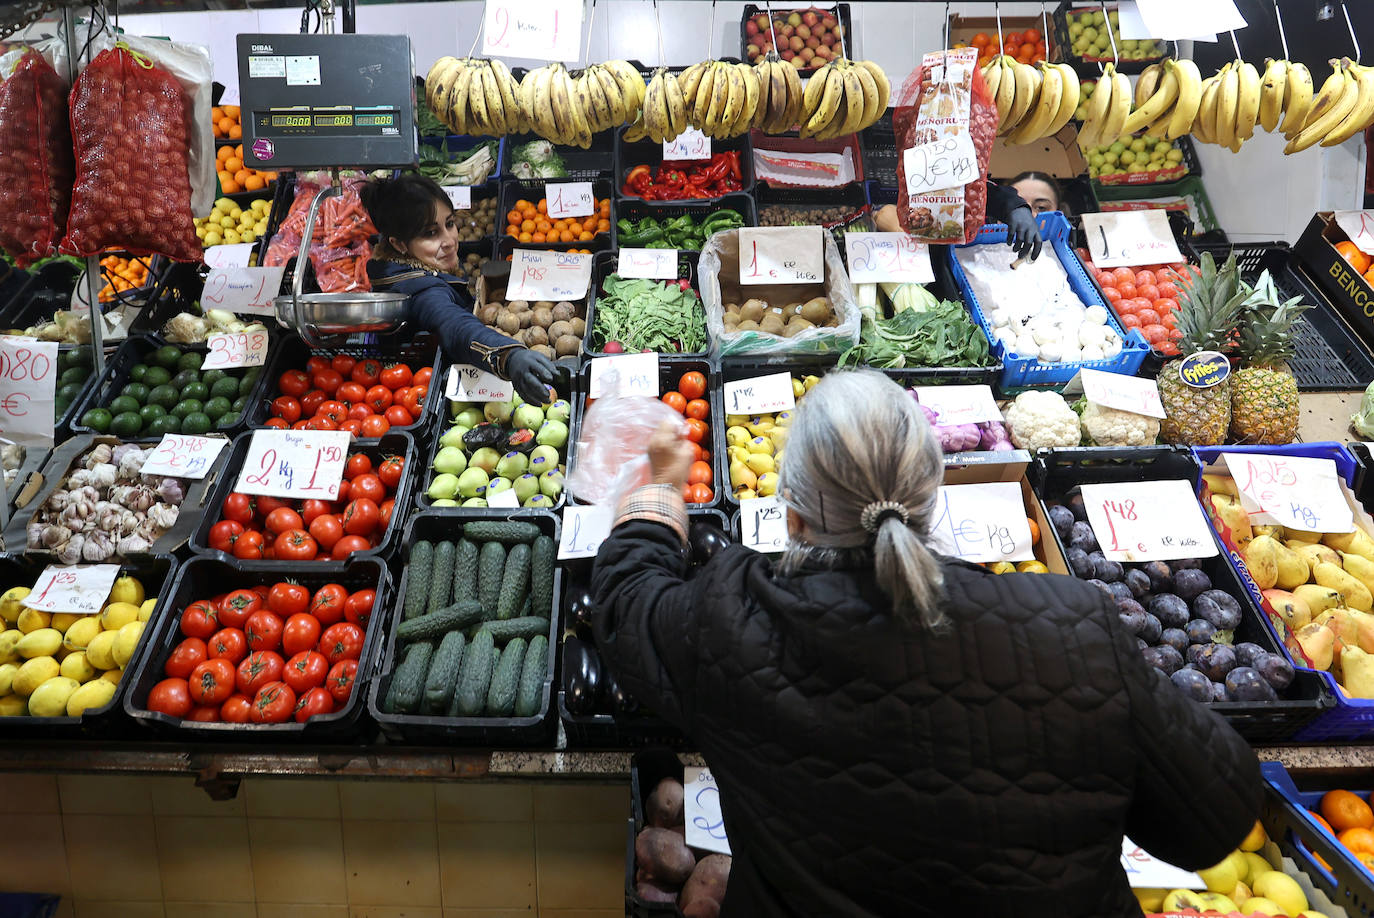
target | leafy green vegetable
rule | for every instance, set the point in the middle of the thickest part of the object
(469, 167)
(426, 121)
(942, 335)
(537, 159)
(663, 316)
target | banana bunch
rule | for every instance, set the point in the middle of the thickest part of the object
(1342, 107)
(609, 94)
(722, 99)
(1167, 98)
(664, 112)
(1108, 110)
(780, 95)
(842, 97)
(1031, 104)
(1230, 106)
(475, 96)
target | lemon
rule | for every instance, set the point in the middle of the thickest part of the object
(95, 694)
(236, 212)
(213, 238)
(14, 706)
(146, 610)
(50, 698)
(64, 620)
(76, 666)
(7, 671)
(118, 614)
(9, 640)
(41, 643)
(200, 233)
(1032, 567)
(1255, 840)
(81, 632)
(231, 236)
(32, 620)
(127, 589)
(126, 642)
(223, 204)
(228, 222)
(33, 674)
(10, 603)
(248, 236)
(112, 676)
(1002, 567)
(100, 651)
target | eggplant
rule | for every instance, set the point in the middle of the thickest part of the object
(520, 441)
(619, 700)
(486, 434)
(581, 606)
(706, 540)
(581, 676)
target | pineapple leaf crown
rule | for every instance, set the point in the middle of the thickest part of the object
(1210, 307)
(1266, 327)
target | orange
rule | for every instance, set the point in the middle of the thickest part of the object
(241, 177)
(1035, 531)
(224, 125)
(254, 183)
(1358, 840)
(1343, 810)
(537, 237)
(216, 113)
(233, 164)
(1364, 857)
(233, 110)
(1352, 254)
(981, 40)
(235, 132)
(1369, 276)
(223, 153)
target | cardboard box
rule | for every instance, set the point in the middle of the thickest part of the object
(1351, 293)
(1046, 549)
(963, 28)
(1058, 156)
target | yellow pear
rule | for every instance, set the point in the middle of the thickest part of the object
(1318, 644)
(1282, 889)
(1262, 560)
(760, 463)
(1357, 672)
(737, 436)
(81, 632)
(1233, 515)
(768, 484)
(741, 476)
(1151, 900)
(1302, 535)
(1240, 893)
(1354, 593)
(779, 437)
(1293, 568)
(736, 420)
(95, 694)
(1357, 542)
(1359, 567)
(1259, 905)
(1315, 551)
(1341, 621)
(1222, 876)
(810, 382)
(1270, 530)
(746, 494)
(1222, 484)
(783, 419)
(1294, 611)
(759, 427)
(761, 445)
(1255, 840)
(1317, 597)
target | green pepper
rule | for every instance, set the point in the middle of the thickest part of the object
(641, 240)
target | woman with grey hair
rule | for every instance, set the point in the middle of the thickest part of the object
(897, 733)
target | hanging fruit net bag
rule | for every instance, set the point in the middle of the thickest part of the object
(36, 169)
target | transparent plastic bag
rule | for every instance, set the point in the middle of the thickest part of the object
(36, 166)
(612, 447)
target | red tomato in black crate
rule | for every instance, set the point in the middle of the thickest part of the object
(342, 641)
(258, 669)
(315, 701)
(340, 680)
(305, 670)
(273, 704)
(328, 605)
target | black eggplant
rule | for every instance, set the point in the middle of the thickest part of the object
(581, 605)
(581, 676)
(615, 697)
(706, 539)
(487, 434)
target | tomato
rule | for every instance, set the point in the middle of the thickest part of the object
(212, 681)
(340, 679)
(328, 604)
(699, 473)
(171, 697)
(342, 641)
(238, 507)
(378, 398)
(282, 519)
(316, 363)
(375, 425)
(223, 535)
(347, 546)
(391, 470)
(357, 464)
(185, 657)
(343, 364)
(368, 486)
(250, 546)
(316, 701)
(367, 372)
(358, 607)
(258, 669)
(275, 423)
(697, 430)
(311, 402)
(295, 545)
(227, 644)
(273, 704)
(398, 416)
(385, 509)
(200, 620)
(423, 376)
(699, 494)
(396, 376)
(204, 714)
(361, 516)
(287, 408)
(342, 497)
(352, 393)
(293, 383)
(326, 530)
(305, 670)
(301, 425)
(352, 427)
(334, 410)
(267, 504)
(286, 599)
(235, 608)
(326, 380)
(313, 508)
(414, 401)
(235, 709)
(698, 408)
(692, 385)
(359, 412)
(301, 632)
(263, 630)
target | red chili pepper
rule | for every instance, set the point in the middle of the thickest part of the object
(733, 157)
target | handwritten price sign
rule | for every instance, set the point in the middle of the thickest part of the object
(887, 258)
(1148, 521)
(638, 374)
(1144, 871)
(542, 275)
(245, 290)
(295, 463)
(701, 811)
(763, 523)
(760, 395)
(545, 30)
(584, 529)
(229, 255)
(781, 255)
(460, 196)
(240, 349)
(1129, 238)
(1124, 393)
(183, 456)
(947, 163)
(690, 144)
(982, 522)
(570, 199)
(466, 383)
(1359, 228)
(1295, 491)
(80, 589)
(653, 264)
(28, 381)
(959, 404)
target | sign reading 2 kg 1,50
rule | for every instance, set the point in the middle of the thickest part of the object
(295, 463)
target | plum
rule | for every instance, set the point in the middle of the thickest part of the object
(1216, 660)
(1120, 591)
(1219, 692)
(1129, 606)
(1277, 671)
(1063, 520)
(1110, 571)
(1170, 610)
(1200, 631)
(1079, 563)
(1138, 581)
(1244, 683)
(1193, 684)
(1163, 658)
(1176, 638)
(1082, 535)
(1161, 578)
(1077, 507)
(1133, 621)
(1103, 587)
(1152, 630)
(1194, 653)
(1190, 583)
(1218, 607)
(1141, 645)
(1186, 564)
(1247, 653)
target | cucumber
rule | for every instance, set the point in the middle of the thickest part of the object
(437, 624)
(491, 566)
(507, 533)
(442, 678)
(474, 677)
(444, 555)
(505, 682)
(542, 556)
(418, 568)
(514, 581)
(465, 571)
(532, 672)
(408, 682)
(526, 627)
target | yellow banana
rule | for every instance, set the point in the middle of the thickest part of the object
(1185, 109)
(1272, 89)
(1027, 92)
(1227, 99)
(1297, 99)
(1120, 108)
(1361, 114)
(829, 102)
(869, 87)
(1248, 105)
(1046, 108)
(1154, 106)
(1207, 109)
(1147, 84)
(1329, 109)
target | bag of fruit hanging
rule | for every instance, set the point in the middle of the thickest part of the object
(945, 125)
(612, 447)
(133, 189)
(36, 169)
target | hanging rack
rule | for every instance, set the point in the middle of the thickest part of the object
(591, 18)
(1283, 36)
(1111, 37)
(1353, 40)
(658, 22)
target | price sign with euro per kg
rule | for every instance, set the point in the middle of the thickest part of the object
(887, 258)
(1145, 871)
(701, 811)
(1296, 491)
(467, 383)
(781, 255)
(1122, 392)
(638, 375)
(238, 349)
(460, 196)
(650, 264)
(689, 145)
(763, 523)
(295, 463)
(959, 404)
(584, 529)
(1148, 521)
(183, 456)
(982, 522)
(543, 30)
(570, 199)
(80, 589)
(760, 395)
(243, 290)
(231, 255)
(28, 383)
(947, 163)
(543, 275)
(1130, 238)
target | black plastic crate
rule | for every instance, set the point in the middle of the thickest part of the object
(1191, 166)
(605, 265)
(646, 152)
(636, 209)
(156, 573)
(795, 206)
(595, 162)
(839, 10)
(879, 142)
(493, 732)
(1089, 69)
(1057, 471)
(512, 191)
(180, 288)
(647, 768)
(202, 578)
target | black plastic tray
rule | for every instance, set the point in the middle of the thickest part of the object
(647, 768)
(1056, 471)
(605, 264)
(181, 286)
(879, 143)
(646, 152)
(512, 191)
(635, 209)
(201, 578)
(1089, 69)
(596, 162)
(846, 23)
(494, 732)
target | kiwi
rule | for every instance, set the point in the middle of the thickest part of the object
(564, 312)
(747, 325)
(543, 317)
(752, 310)
(772, 324)
(796, 324)
(568, 345)
(559, 329)
(816, 311)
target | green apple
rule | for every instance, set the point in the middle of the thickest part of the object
(1260, 905)
(512, 465)
(444, 502)
(469, 417)
(528, 417)
(473, 482)
(454, 436)
(1180, 899)
(559, 411)
(443, 486)
(526, 486)
(551, 484)
(450, 459)
(538, 500)
(1223, 876)
(475, 502)
(499, 412)
(552, 433)
(484, 459)
(1281, 888)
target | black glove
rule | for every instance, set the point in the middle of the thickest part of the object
(532, 373)
(1023, 235)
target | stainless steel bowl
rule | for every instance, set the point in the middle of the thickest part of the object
(341, 313)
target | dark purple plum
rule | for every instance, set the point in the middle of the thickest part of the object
(1244, 683)
(1129, 606)
(1134, 622)
(1194, 653)
(1216, 660)
(1247, 653)
(1170, 610)
(1176, 638)
(1163, 658)
(1120, 591)
(1083, 537)
(1219, 692)
(1186, 564)
(1141, 645)
(1109, 571)
(1190, 583)
(1277, 671)
(1200, 631)
(1079, 563)
(1152, 630)
(1103, 587)
(1161, 578)
(1193, 684)
(1062, 518)
(1138, 581)
(1218, 607)
(1077, 507)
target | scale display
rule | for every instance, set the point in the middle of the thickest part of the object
(332, 123)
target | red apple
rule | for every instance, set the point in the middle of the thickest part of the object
(828, 22)
(788, 54)
(765, 47)
(798, 63)
(762, 20)
(787, 31)
(794, 19)
(828, 40)
(779, 24)
(806, 54)
(753, 51)
(751, 28)
(796, 44)
(813, 42)
(823, 53)
(803, 31)
(810, 18)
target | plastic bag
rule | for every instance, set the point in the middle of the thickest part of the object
(612, 448)
(133, 190)
(718, 271)
(341, 243)
(36, 167)
(341, 270)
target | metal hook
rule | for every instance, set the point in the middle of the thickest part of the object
(481, 24)
(1107, 24)
(1045, 26)
(658, 20)
(1001, 42)
(591, 18)
(1353, 40)
(1235, 44)
(1283, 37)
(711, 33)
(772, 31)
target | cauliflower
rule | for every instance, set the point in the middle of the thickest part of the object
(1040, 420)
(1110, 427)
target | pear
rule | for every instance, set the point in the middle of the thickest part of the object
(1262, 560)
(1293, 567)
(1318, 644)
(1222, 484)
(741, 476)
(1302, 535)
(737, 436)
(1342, 621)
(1233, 516)
(1359, 567)
(1357, 542)
(1357, 673)
(1283, 890)
(1295, 611)
(1275, 531)
(1314, 552)
(760, 463)
(1318, 598)
(1355, 594)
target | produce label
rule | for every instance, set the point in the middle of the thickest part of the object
(542, 275)
(584, 529)
(544, 30)
(570, 199)
(982, 522)
(295, 463)
(763, 523)
(1204, 369)
(28, 382)
(1124, 393)
(1359, 228)
(1295, 491)
(651, 264)
(959, 404)
(701, 811)
(1148, 521)
(1130, 238)
(460, 196)
(887, 258)
(80, 589)
(242, 290)
(941, 165)
(183, 456)
(781, 255)
(229, 255)
(466, 383)
(760, 395)
(638, 375)
(690, 144)
(238, 349)
(506, 499)
(1144, 871)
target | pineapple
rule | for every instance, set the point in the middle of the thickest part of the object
(1208, 311)
(1264, 394)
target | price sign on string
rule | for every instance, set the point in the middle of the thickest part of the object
(295, 463)
(781, 255)
(543, 275)
(1148, 521)
(466, 383)
(701, 811)
(1124, 393)
(238, 349)
(947, 163)
(544, 30)
(1359, 228)
(1129, 238)
(652, 264)
(887, 258)
(760, 395)
(570, 199)
(1295, 491)
(638, 374)
(245, 290)
(80, 589)
(982, 522)
(584, 529)
(504, 499)
(959, 404)
(28, 383)
(183, 456)
(690, 144)
(460, 196)
(1145, 871)
(763, 523)
(229, 255)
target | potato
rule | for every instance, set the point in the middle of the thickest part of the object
(559, 329)
(543, 304)
(535, 335)
(568, 346)
(649, 891)
(663, 856)
(546, 351)
(543, 317)
(664, 806)
(509, 323)
(526, 319)
(772, 324)
(579, 326)
(752, 310)
(564, 311)
(705, 889)
(518, 306)
(489, 312)
(816, 311)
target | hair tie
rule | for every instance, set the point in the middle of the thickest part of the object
(879, 510)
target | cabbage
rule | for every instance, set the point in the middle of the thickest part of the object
(1364, 421)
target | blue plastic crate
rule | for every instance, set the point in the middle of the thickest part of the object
(1028, 372)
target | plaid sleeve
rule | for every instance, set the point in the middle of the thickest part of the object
(657, 503)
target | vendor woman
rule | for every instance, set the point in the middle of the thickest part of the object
(418, 256)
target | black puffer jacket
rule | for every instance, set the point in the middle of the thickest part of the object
(868, 770)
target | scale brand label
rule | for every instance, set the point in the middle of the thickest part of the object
(1204, 369)
(264, 149)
